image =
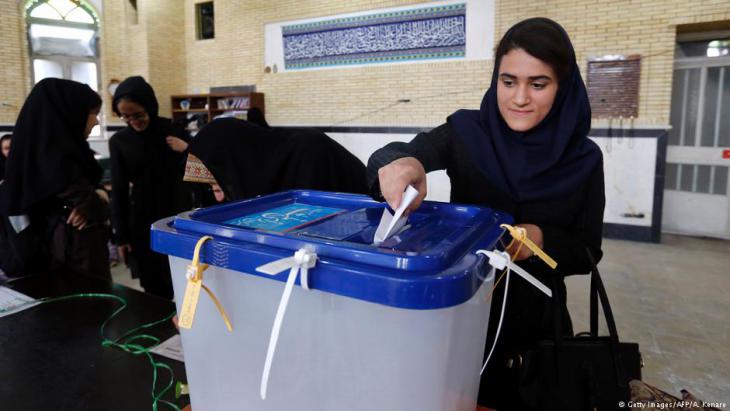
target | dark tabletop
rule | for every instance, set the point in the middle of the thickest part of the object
(51, 356)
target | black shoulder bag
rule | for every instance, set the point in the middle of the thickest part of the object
(585, 372)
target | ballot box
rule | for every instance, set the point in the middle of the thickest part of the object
(321, 318)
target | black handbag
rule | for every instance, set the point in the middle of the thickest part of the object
(585, 372)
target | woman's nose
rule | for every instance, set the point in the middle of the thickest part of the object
(521, 96)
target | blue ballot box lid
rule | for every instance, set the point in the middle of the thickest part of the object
(430, 263)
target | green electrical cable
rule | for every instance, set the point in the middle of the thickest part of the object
(128, 342)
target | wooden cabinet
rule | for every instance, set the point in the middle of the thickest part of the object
(195, 110)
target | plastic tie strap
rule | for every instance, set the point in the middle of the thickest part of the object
(520, 235)
(500, 260)
(192, 291)
(301, 262)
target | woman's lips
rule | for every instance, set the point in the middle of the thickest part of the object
(520, 113)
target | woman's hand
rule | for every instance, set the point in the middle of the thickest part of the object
(77, 219)
(396, 176)
(176, 143)
(534, 233)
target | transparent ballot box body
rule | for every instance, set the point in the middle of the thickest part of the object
(394, 327)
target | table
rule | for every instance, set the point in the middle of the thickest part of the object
(51, 357)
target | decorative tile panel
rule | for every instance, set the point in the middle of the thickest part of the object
(415, 34)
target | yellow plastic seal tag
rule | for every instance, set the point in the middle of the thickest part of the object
(190, 303)
(519, 235)
(192, 290)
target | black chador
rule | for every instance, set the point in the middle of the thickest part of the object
(248, 160)
(146, 185)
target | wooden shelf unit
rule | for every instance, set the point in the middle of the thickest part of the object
(213, 104)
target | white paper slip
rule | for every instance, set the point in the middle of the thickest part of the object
(170, 348)
(391, 223)
(12, 302)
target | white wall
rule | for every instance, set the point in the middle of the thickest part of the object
(629, 166)
(100, 145)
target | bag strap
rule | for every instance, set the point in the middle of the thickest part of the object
(598, 292)
(593, 299)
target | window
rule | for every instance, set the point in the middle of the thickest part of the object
(696, 178)
(63, 38)
(205, 21)
(700, 95)
(703, 48)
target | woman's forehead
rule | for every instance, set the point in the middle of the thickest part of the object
(128, 105)
(519, 63)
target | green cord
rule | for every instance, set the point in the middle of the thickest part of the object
(127, 342)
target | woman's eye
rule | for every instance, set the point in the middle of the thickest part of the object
(538, 86)
(508, 83)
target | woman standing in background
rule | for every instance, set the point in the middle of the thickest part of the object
(148, 156)
(53, 217)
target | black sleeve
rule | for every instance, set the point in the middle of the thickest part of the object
(179, 130)
(83, 197)
(120, 194)
(430, 148)
(568, 246)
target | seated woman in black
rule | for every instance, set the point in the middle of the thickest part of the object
(526, 152)
(53, 217)
(147, 155)
(248, 160)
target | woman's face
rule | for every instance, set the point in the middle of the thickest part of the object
(6, 147)
(133, 114)
(218, 193)
(91, 121)
(526, 89)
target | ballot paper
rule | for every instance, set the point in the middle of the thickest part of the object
(12, 302)
(391, 223)
(171, 348)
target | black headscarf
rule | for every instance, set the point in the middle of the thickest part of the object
(136, 89)
(552, 159)
(256, 116)
(144, 159)
(248, 160)
(50, 151)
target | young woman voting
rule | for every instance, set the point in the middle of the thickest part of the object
(525, 152)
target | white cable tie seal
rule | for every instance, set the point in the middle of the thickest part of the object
(501, 260)
(301, 262)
